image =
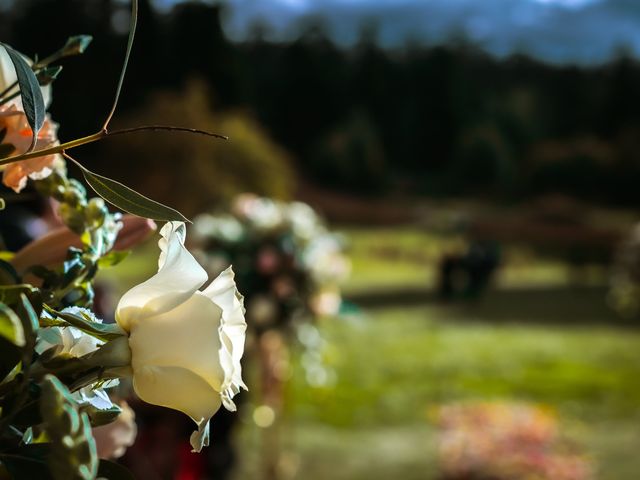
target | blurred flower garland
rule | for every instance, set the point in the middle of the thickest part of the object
(289, 266)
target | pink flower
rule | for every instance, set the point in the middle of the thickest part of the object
(113, 439)
(18, 135)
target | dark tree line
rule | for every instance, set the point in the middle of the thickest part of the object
(438, 121)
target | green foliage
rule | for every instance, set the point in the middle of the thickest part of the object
(11, 326)
(353, 150)
(102, 331)
(73, 449)
(129, 200)
(113, 258)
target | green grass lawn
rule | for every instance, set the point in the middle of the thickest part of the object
(395, 364)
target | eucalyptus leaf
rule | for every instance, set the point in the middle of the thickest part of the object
(129, 200)
(10, 294)
(11, 327)
(73, 448)
(32, 101)
(101, 331)
(28, 315)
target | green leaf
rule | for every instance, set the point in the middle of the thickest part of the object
(32, 100)
(113, 258)
(29, 315)
(8, 274)
(10, 294)
(76, 45)
(11, 327)
(47, 75)
(114, 471)
(99, 417)
(73, 448)
(102, 331)
(131, 201)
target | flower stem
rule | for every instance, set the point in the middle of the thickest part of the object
(101, 135)
(132, 33)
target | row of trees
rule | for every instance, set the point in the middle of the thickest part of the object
(441, 121)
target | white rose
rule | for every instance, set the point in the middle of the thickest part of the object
(186, 344)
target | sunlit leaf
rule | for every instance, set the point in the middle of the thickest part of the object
(113, 258)
(102, 331)
(29, 315)
(11, 327)
(129, 200)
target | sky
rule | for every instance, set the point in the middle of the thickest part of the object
(556, 31)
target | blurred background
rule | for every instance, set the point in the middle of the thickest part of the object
(480, 160)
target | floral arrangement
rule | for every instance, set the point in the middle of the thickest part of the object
(181, 345)
(288, 263)
(289, 267)
(506, 441)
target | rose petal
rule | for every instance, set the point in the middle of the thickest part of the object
(185, 337)
(200, 438)
(177, 388)
(232, 332)
(178, 278)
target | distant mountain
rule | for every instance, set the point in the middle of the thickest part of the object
(557, 31)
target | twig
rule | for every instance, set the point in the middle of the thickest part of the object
(132, 33)
(102, 134)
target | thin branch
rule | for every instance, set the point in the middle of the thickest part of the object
(8, 89)
(102, 135)
(169, 128)
(9, 98)
(132, 33)
(70, 158)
